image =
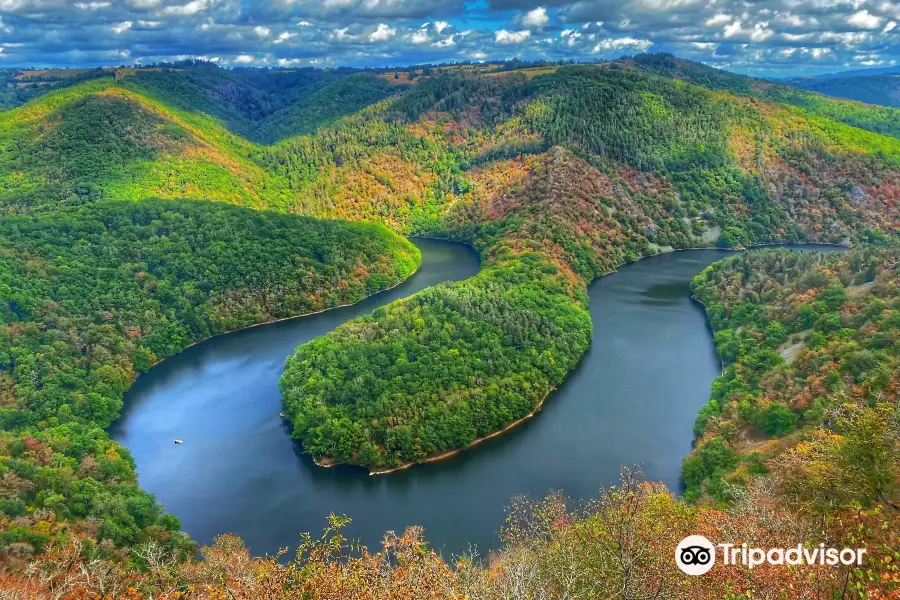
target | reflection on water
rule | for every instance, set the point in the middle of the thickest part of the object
(632, 400)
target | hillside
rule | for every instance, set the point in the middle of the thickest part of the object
(665, 165)
(878, 119)
(264, 105)
(98, 141)
(805, 338)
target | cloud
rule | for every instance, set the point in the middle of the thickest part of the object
(863, 20)
(536, 19)
(619, 44)
(382, 33)
(92, 5)
(123, 26)
(504, 37)
(191, 8)
(718, 19)
(777, 37)
(284, 37)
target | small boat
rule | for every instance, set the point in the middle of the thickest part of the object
(282, 415)
(179, 441)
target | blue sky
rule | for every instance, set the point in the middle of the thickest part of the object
(759, 37)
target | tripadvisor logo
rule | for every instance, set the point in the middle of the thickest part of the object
(696, 555)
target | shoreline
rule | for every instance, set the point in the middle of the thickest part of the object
(477, 441)
(694, 298)
(328, 462)
(270, 322)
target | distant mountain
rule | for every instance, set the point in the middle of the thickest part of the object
(877, 88)
(843, 74)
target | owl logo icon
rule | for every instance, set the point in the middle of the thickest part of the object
(695, 555)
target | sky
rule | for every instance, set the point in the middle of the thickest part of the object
(757, 37)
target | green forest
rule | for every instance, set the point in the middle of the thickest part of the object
(95, 295)
(147, 209)
(806, 339)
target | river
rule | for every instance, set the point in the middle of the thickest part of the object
(631, 401)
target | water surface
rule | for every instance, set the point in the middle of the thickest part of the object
(631, 401)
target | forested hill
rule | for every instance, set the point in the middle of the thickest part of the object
(879, 119)
(263, 105)
(662, 165)
(99, 141)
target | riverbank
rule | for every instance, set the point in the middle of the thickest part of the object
(477, 441)
(328, 462)
(273, 321)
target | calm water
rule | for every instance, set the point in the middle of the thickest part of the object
(632, 400)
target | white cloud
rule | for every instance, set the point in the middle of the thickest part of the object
(863, 20)
(123, 26)
(244, 59)
(889, 27)
(717, 20)
(537, 18)
(382, 33)
(261, 31)
(90, 5)
(505, 38)
(732, 30)
(284, 36)
(191, 8)
(761, 32)
(625, 43)
(440, 26)
(816, 53)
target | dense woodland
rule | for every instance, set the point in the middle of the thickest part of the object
(805, 338)
(550, 190)
(93, 296)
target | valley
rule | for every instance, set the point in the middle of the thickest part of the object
(147, 212)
